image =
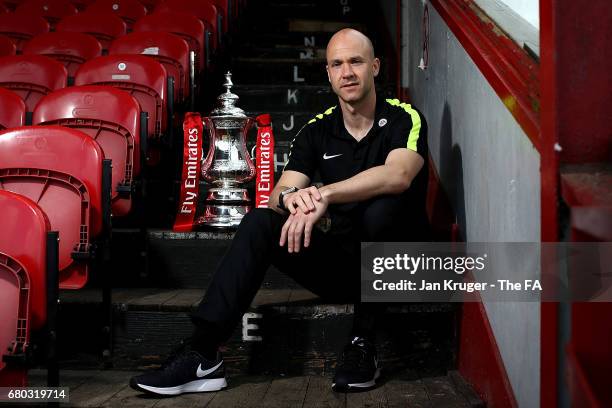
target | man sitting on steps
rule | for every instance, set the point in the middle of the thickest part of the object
(371, 156)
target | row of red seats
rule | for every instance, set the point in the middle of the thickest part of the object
(74, 49)
(215, 13)
(169, 42)
(60, 169)
(108, 115)
(202, 23)
(56, 175)
(34, 76)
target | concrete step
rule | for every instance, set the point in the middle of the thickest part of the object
(286, 331)
(278, 71)
(109, 388)
(280, 51)
(189, 260)
(350, 10)
(295, 98)
(287, 98)
(275, 38)
(294, 24)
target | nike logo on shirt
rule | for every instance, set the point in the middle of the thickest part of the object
(202, 373)
(326, 157)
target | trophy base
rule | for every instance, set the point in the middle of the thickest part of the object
(227, 194)
(224, 216)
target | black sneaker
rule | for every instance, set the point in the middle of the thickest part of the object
(186, 372)
(357, 368)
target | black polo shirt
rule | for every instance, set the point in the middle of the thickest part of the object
(324, 147)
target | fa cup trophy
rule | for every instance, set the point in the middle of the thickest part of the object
(227, 165)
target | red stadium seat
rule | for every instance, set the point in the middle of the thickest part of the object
(223, 8)
(23, 238)
(142, 77)
(52, 10)
(71, 49)
(23, 263)
(11, 5)
(186, 26)
(13, 110)
(150, 4)
(206, 12)
(61, 170)
(128, 10)
(7, 46)
(31, 76)
(21, 27)
(112, 118)
(170, 50)
(82, 5)
(104, 26)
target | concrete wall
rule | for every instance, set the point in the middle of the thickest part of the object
(520, 19)
(489, 168)
(528, 9)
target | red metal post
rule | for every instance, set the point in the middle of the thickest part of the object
(549, 347)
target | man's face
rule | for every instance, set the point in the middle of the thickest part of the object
(351, 67)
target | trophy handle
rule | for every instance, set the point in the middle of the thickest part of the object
(250, 122)
(207, 162)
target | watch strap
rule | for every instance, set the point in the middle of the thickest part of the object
(281, 197)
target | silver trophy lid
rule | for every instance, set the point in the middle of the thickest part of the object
(226, 102)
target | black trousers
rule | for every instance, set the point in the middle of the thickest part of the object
(329, 267)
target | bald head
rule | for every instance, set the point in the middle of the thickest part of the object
(350, 38)
(352, 66)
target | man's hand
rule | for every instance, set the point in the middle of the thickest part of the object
(301, 223)
(304, 199)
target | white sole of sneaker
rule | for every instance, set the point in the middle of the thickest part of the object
(205, 385)
(366, 384)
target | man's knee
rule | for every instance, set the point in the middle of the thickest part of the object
(383, 219)
(261, 219)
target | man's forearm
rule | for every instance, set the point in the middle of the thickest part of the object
(369, 183)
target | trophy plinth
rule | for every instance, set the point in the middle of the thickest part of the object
(227, 164)
(224, 216)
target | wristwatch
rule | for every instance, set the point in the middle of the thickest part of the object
(281, 196)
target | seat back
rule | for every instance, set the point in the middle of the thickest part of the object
(128, 10)
(22, 279)
(61, 170)
(224, 8)
(71, 49)
(104, 26)
(21, 27)
(10, 5)
(52, 10)
(112, 118)
(185, 25)
(13, 110)
(203, 10)
(142, 77)
(150, 5)
(23, 239)
(82, 5)
(170, 50)
(31, 76)
(7, 46)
